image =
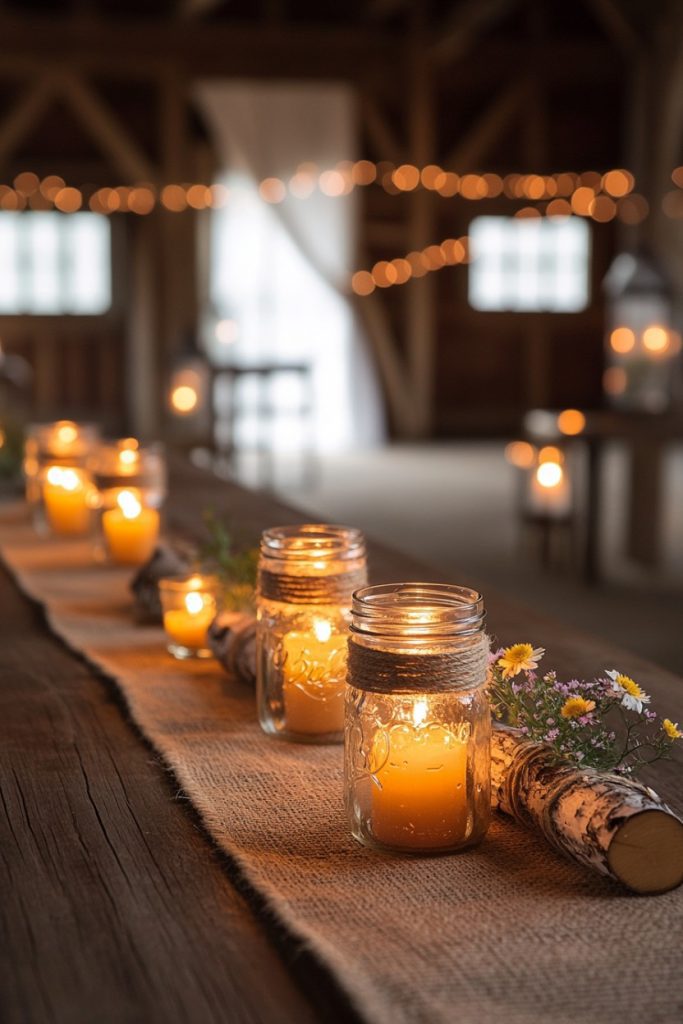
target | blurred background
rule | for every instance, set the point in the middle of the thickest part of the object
(412, 265)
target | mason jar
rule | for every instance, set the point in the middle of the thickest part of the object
(306, 578)
(131, 483)
(59, 488)
(417, 737)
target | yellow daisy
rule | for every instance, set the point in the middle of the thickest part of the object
(575, 707)
(632, 696)
(519, 658)
(671, 729)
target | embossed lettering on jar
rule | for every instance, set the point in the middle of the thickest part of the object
(417, 741)
(307, 576)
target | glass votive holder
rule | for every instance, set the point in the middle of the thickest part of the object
(189, 605)
(418, 723)
(63, 444)
(68, 500)
(132, 484)
(306, 579)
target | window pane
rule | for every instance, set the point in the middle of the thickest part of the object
(529, 264)
(52, 263)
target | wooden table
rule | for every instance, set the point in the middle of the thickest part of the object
(114, 904)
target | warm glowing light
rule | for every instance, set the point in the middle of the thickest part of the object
(302, 184)
(129, 504)
(27, 183)
(130, 443)
(227, 332)
(591, 179)
(69, 479)
(520, 454)
(558, 208)
(550, 453)
(633, 209)
(420, 712)
(617, 183)
(128, 457)
(528, 211)
(3, 438)
(534, 186)
(581, 201)
(54, 476)
(219, 196)
(433, 257)
(677, 176)
(449, 185)
(272, 190)
(198, 197)
(549, 474)
(406, 177)
(417, 264)
(362, 283)
(184, 398)
(403, 270)
(622, 340)
(51, 185)
(9, 199)
(656, 339)
(332, 183)
(67, 432)
(141, 200)
(494, 185)
(68, 200)
(383, 274)
(322, 630)
(363, 172)
(614, 380)
(431, 176)
(472, 186)
(194, 602)
(173, 198)
(603, 209)
(571, 422)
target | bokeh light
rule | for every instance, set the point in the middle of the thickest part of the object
(571, 422)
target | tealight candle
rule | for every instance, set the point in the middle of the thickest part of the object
(307, 575)
(130, 530)
(189, 606)
(67, 496)
(417, 760)
(62, 444)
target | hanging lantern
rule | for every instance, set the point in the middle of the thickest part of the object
(642, 347)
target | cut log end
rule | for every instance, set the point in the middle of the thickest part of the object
(646, 853)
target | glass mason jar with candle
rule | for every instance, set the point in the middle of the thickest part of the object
(307, 576)
(131, 485)
(189, 605)
(418, 724)
(60, 503)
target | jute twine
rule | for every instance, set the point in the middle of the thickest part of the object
(334, 589)
(388, 672)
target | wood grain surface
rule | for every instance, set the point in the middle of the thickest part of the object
(114, 905)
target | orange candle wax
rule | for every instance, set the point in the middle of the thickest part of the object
(187, 626)
(66, 494)
(314, 683)
(130, 531)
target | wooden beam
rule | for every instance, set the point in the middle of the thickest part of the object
(611, 18)
(469, 19)
(24, 115)
(470, 150)
(381, 133)
(421, 294)
(105, 128)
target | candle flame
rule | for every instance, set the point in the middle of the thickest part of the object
(54, 476)
(68, 479)
(420, 709)
(549, 474)
(322, 630)
(128, 457)
(67, 432)
(194, 603)
(129, 504)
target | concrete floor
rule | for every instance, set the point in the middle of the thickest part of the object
(453, 506)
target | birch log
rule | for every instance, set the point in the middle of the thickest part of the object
(232, 638)
(608, 823)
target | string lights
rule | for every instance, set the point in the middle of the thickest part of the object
(587, 194)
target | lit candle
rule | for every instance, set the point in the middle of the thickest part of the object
(189, 606)
(314, 669)
(419, 799)
(550, 493)
(67, 494)
(130, 530)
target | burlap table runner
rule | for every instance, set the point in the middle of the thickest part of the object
(508, 932)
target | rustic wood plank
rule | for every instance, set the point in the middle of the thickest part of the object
(113, 905)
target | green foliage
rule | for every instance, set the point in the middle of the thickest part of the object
(235, 566)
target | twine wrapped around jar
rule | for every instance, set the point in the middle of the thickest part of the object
(380, 671)
(333, 589)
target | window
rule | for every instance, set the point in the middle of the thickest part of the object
(54, 264)
(529, 264)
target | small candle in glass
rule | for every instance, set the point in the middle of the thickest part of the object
(307, 575)
(189, 604)
(130, 530)
(68, 498)
(65, 444)
(417, 758)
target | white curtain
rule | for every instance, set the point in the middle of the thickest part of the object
(280, 273)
